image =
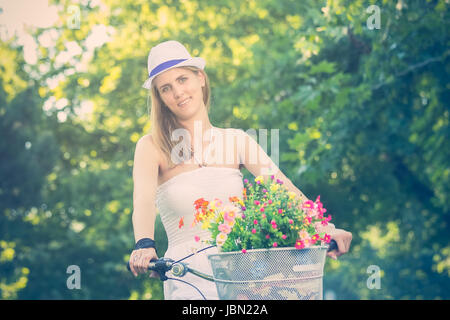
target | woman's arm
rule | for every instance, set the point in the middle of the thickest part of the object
(256, 160)
(145, 178)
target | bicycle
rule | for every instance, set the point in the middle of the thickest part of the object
(300, 273)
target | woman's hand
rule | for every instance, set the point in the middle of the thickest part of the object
(343, 239)
(140, 260)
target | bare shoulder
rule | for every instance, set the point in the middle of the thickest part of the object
(147, 148)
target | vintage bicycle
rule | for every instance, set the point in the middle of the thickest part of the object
(258, 274)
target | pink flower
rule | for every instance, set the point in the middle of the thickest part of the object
(197, 238)
(221, 238)
(307, 242)
(325, 222)
(216, 203)
(312, 213)
(308, 220)
(225, 228)
(327, 238)
(230, 213)
(299, 244)
(303, 234)
(244, 251)
(280, 211)
(275, 245)
(256, 202)
(263, 216)
(284, 236)
(270, 201)
(262, 209)
(308, 205)
(255, 221)
(318, 226)
(267, 236)
(253, 231)
(291, 221)
(274, 224)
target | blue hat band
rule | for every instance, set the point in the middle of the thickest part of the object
(165, 65)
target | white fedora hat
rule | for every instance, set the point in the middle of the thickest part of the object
(167, 55)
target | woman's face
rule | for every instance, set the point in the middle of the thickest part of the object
(181, 91)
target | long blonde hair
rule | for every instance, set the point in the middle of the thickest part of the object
(163, 122)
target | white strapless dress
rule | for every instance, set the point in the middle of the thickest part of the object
(174, 200)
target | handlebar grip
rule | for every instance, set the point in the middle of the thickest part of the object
(332, 246)
(161, 266)
(151, 266)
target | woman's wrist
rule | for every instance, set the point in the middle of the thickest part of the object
(145, 243)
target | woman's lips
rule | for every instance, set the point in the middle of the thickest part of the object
(184, 102)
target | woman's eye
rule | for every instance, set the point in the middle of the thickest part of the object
(165, 89)
(183, 79)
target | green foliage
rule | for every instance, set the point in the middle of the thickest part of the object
(267, 215)
(363, 117)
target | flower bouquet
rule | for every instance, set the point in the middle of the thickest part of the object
(271, 244)
(266, 216)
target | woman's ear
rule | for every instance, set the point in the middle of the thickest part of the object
(202, 78)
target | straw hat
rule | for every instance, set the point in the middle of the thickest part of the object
(167, 55)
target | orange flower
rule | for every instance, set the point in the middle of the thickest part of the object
(181, 223)
(201, 203)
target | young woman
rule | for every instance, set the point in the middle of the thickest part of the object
(169, 176)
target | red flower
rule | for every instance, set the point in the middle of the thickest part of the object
(181, 223)
(299, 244)
(201, 204)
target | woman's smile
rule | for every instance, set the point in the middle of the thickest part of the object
(184, 102)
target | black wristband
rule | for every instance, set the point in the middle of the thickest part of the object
(145, 243)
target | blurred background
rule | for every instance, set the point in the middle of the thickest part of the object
(359, 91)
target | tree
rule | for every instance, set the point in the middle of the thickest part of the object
(363, 119)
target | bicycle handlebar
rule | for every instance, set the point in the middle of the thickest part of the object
(161, 265)
(179, 269)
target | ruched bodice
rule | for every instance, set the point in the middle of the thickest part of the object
(175, 198)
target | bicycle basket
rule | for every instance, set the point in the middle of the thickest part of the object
(269, 274)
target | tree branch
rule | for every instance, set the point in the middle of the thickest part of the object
(412, 68)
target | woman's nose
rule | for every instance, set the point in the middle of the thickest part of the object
(176, 91)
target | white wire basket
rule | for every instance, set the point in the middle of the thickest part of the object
(270, 274)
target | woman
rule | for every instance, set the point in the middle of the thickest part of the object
(169, 176)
